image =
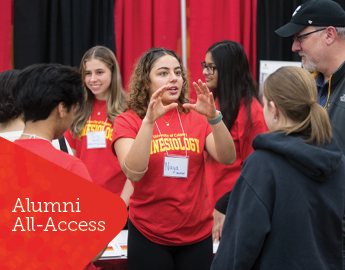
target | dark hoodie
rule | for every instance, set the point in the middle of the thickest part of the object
(286, 208)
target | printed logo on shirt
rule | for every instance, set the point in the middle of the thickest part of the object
(342, 98)
(95, 125)
(176, 141)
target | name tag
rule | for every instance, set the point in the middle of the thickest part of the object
(96, 140)
(175, 167)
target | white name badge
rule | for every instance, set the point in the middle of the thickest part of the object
(96, 140)
(175, 166)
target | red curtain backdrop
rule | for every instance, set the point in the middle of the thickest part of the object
(140, 25)
(5, 34)
(212, 21)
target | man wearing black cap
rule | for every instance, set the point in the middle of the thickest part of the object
(318, 30)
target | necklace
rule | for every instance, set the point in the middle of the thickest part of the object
(99, 109)
(34, 136)
(169, 119)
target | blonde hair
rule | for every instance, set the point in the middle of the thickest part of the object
(140, 82)
(116, 97)
(294, 93)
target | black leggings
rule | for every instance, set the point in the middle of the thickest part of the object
(144, 254)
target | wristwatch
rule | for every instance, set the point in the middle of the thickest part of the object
(216, 120)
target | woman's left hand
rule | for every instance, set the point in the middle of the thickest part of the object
(205, 101)
(218, 223)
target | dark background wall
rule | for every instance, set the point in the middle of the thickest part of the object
(271, 15)
(58, 31)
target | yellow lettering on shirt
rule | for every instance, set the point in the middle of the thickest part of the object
(109, 133)
(94, 126)
(197, 145)
(172, 145)
(181, 145)
(176, 145)
(83, 132)
(192, 145)
(155, 146)
(167, 144)
(162, 144)
(186, 140)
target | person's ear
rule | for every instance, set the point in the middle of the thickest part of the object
(61, 109)
(274, 110)
(331, 35)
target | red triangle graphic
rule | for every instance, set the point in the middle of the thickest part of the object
(86, 217)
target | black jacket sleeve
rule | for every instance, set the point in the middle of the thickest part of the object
(222, 203)
(246, 225)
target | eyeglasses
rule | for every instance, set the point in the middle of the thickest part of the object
(210, 70)
(298, 38)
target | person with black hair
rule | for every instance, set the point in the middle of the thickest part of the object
(11, 117)
(48, 95)
(227, 73)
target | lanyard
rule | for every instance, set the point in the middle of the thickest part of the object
(184, 141)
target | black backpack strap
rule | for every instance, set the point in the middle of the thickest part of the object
(63, 146)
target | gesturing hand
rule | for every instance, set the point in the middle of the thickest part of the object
(156, 109)
(205, 101)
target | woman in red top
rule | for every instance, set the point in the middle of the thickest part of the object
(160, 142)
(228, 76)
(90, 135)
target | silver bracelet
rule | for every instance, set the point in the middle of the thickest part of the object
(124, 164)
(216, 120)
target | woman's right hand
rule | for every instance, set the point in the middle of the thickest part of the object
(156, 109)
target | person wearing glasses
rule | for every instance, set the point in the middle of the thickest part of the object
(227, 74)
(160, 143)
(318, 30)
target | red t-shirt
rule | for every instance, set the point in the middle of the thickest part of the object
(166, 210)
(103, 166)
(221, 178)
(46, 150)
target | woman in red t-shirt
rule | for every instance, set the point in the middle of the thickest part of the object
(160, 142)
(90, 135)
(227, 74)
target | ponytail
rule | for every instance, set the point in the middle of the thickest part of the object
(294, 92)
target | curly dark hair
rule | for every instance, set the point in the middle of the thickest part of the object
(8, 109)
(140, 82)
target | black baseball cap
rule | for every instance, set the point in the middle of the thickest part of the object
(313, 13)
